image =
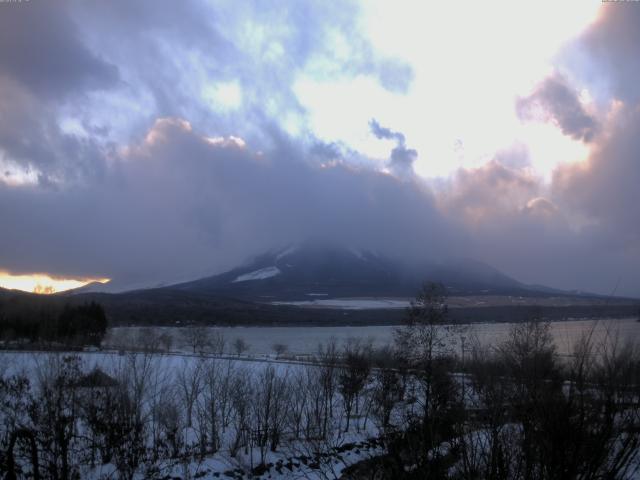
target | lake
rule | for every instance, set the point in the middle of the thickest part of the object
(305, 340)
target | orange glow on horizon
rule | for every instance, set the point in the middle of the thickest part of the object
(43, 283)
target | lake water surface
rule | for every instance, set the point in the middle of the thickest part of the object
(305, 340)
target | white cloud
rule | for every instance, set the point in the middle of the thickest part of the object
(223, 96)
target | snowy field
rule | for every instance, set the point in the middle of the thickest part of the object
(170, 385)
(305, 340)
(250, 416)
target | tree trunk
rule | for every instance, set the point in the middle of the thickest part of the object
(10, 462)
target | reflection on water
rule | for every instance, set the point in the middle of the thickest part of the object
(304, 340)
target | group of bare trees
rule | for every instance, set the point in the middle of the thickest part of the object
(61, 417)
(542, 417)
(513, 410)
(196, 340)
(139, 411)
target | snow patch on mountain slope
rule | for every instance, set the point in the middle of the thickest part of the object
(261, 274)
(286, 252)
(358, 254)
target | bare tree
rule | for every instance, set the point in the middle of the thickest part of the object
(161, 398)
(270, 404)
(170, 421)
(490, 452)
(189, 382)
(279, 349)
(55, 413)
(197, 338)
(241, 394)
(240, 346)
(298, 399)
(165, 339)
(224, 393)
(353, 376)
(9, 460)
(425, 345)
(214, 402)
(386, 389)
(126, 417)
(538, 416)
(217, 342)
(147, 339)
(328, 359)
(315, 407)
(321, 452)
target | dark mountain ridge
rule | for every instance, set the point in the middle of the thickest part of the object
(311, 270)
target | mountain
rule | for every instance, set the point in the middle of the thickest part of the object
(119, 286)
(317, 271)
(342, 286)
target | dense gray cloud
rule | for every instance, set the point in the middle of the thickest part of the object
(606, 55)
(510, 219)
(184, 204)
(40, 48)
(200, 203)
(555, 100)
(480, 194)
(605, 188)
(44, 63)
(32, 141)
(135, 169)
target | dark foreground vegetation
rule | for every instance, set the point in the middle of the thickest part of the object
(171, 307)
(516, 411)
(414, 410)
(28, 320)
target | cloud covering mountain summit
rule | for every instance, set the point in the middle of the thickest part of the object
(169, 141)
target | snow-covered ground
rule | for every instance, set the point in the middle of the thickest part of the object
(162, 377)
(170, 376)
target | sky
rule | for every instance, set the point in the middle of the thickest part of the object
(149, 142)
